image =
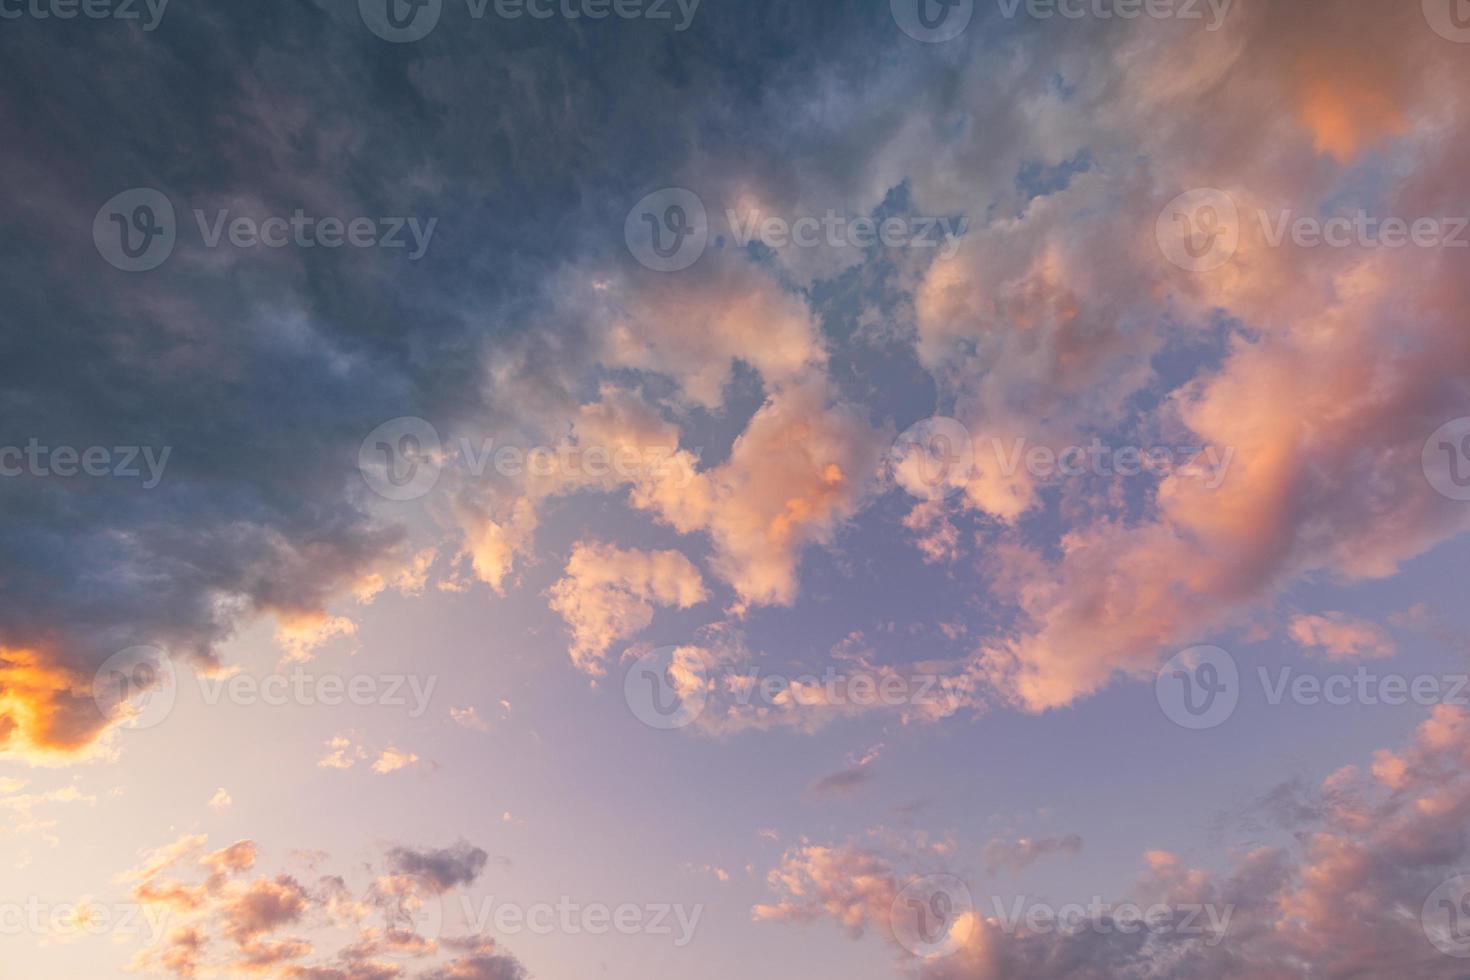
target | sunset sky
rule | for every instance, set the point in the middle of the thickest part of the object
(661, 489)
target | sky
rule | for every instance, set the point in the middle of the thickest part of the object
(551, 489)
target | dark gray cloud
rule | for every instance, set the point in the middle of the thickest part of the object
(260, 371)
(443, 869)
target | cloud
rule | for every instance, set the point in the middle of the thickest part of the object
(1338, 636)
(609, 594)
(445, 869)
(469, 718)
(1002, 854)
(858, 772)
(227, 923)
(392, 760)
(1342, 899)
(806, 463)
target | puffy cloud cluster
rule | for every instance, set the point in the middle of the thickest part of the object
(1343, 899)
(610, 593)
(221, 921)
